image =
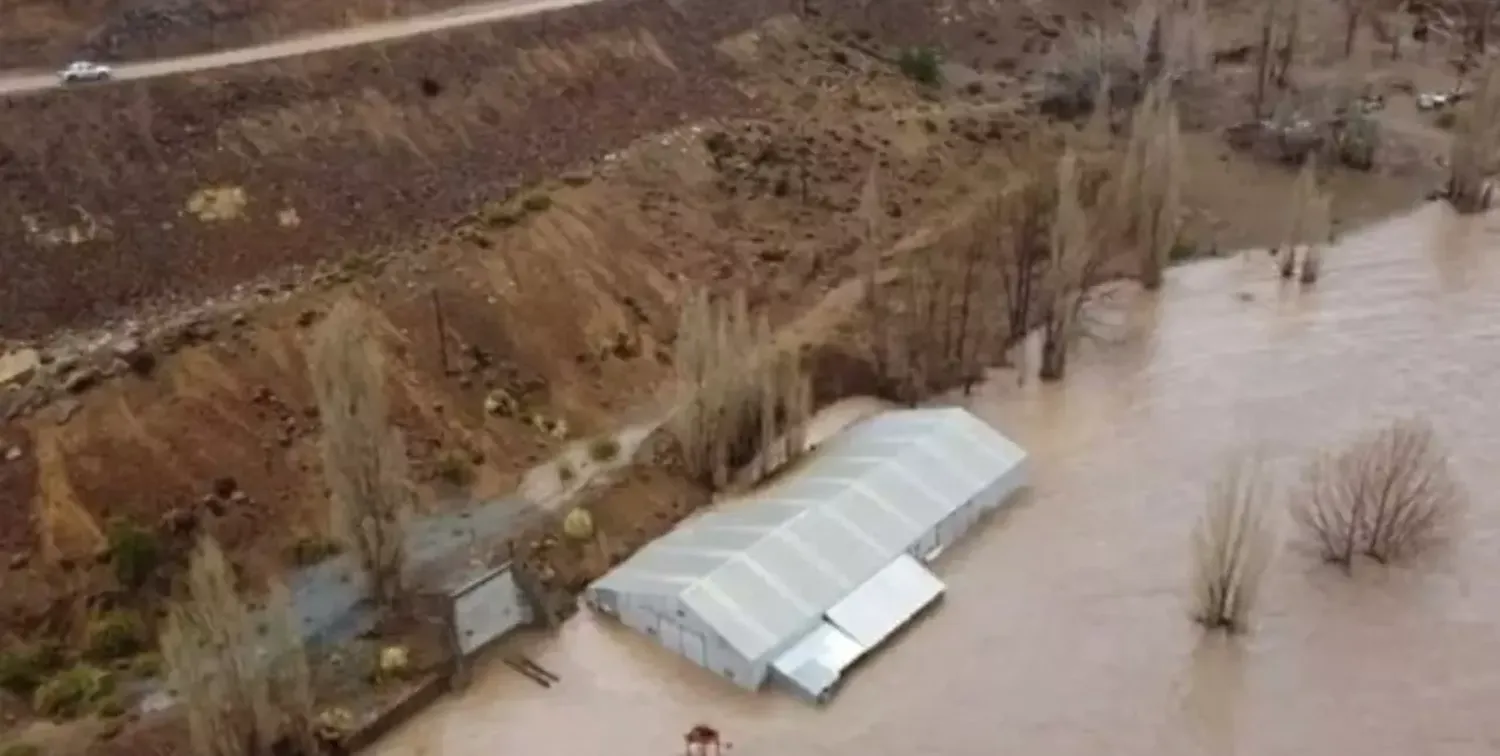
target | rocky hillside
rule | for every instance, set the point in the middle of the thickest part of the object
(189, 185)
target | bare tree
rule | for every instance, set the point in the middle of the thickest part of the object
(1354, 12)
(1147, 187)
(936, 328)
(364, 460)
(1479, 15)
(1024, 219)
(739, 396)
(1288, 50)
(245, 695)
(1385, 496)
(1308, 220)
(1263, 70)
(869, 217)
(1232, 547)
(1475, 141)
(1072, 269)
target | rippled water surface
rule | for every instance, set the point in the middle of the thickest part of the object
(1065, 630)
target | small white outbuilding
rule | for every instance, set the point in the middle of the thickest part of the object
(804, 577)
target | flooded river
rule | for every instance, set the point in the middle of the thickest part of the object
(1065, 630)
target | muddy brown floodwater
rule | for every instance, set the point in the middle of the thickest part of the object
(1065, 630)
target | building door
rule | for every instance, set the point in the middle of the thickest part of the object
(692, 647)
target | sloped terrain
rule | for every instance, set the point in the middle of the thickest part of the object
(524, 237)
(184, 186)
(557, 307)
(39, 33)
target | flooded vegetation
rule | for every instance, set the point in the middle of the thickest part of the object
(1069, 628)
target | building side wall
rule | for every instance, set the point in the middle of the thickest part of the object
(489, 609)
(686, 637)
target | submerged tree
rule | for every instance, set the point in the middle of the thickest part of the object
(364, 459)
(1074, 262)
(1148, 186)
(1386, 495)
(1232, 546)
(1307, 226)
(1475, 142)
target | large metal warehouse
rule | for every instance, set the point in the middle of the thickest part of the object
(811, 573)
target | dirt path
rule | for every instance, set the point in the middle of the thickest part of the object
(12, 84)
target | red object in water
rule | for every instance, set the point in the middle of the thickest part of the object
(698, 740)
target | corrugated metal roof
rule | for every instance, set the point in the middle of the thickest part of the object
(763, 571)
(817, 661)
(886, 601)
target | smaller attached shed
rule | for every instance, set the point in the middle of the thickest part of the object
(475, 608)
(806, 576)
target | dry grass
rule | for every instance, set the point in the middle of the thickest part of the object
(364, 460)
(1232, 547)
(738, 398)
(1387, 495)
(1475, 141)
(245, 693)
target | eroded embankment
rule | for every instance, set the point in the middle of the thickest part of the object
(183, 186)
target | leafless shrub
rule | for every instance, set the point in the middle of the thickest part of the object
(1387, 495)
(1232, 546)
(364, 460)
(737, 393)
(1475, 141)
(245, 693)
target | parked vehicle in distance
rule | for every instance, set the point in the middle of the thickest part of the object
(80, 71)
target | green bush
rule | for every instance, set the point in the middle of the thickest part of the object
(22, 749)
(604, 449)
(72, 692)
(134, 552)
(24, 667)
(112, 706)
(116, 635)
(922, 65)
(454, 467)
(536, 203)
(146, 665)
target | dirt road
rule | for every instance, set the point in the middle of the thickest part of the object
(23, 83)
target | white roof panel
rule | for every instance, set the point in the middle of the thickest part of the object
(814, 664)
(885, 602)
(768, 567)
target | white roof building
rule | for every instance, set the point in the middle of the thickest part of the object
(809, 574)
